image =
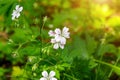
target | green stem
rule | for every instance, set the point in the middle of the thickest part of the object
(98, 69)
(112, 69)
(108, 64)
(70, 76)
(101, 44)
(41, 29)
(20, 46)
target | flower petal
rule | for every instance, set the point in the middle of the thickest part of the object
(53, 41)
(63, 40)
(44, 74)
(20, 9)
(53, 78)
(14, 12)
(17, 15)
(51, 33)
(65, 29)
(66, 35)
(13, 17)
(58, 31)
(51, 74)
(65, 32)
(57, 38)
(62, 46)
(17, 7)
(56, 46)
(43, 78)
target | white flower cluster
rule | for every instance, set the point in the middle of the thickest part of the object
(16, 13)
(47, 76)
(59, 37)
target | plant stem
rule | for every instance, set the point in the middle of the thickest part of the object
(108, 64)
(112, 69)
(21, 45)
(101, 44)
(70, 76)
(41, 29)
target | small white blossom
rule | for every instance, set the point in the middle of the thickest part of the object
(57, 44)
(59, 37)
(16, 12)
(47, 76)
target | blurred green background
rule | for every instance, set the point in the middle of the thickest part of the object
(94, 30)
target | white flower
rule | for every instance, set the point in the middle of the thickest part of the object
(64, 32)
(57, 44)
(59, 39)
(16, 13)
(47, 76)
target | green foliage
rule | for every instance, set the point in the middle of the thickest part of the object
(91, 53)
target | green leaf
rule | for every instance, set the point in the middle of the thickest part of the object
(76, 49)
(106, 48)
(114, 67)
(91, 44)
